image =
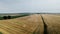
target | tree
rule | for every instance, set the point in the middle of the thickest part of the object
(4, 17)
(9, 17)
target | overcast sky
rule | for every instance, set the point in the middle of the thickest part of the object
(19, 6)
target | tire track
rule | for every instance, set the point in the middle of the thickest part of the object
(37, 30)
(45, 26)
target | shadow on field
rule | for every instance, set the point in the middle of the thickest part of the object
(45, 26)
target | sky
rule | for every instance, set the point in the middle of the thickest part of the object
(29, 6)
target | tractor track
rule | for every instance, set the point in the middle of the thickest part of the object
(45, 26)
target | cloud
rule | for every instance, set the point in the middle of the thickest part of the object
(29, 6)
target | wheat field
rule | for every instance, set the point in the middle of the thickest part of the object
(23, 25)
(53, 23)
(32, 24)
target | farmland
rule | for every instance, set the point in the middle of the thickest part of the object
(53, 23)
(31, 24)
(22, 25)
